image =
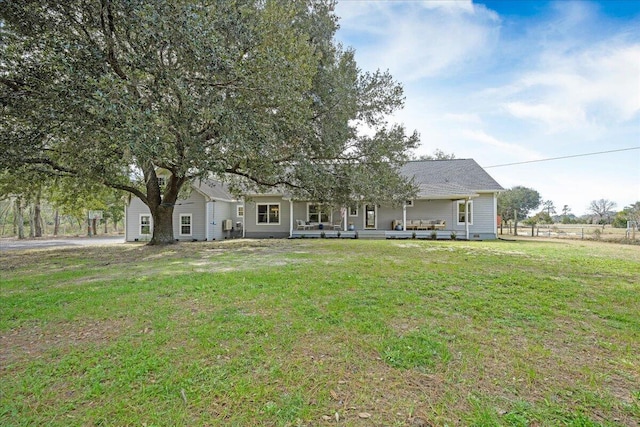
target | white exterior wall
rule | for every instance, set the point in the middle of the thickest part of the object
(194, 205)
(132, 220)
(484, 216)
(221, 211)
(255, 230)
(431, 209)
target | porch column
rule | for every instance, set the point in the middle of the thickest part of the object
(466, 218)
(404, 216)
(495, 215)
(290, 218)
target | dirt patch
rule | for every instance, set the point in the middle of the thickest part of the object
(123, 258)
(34, 341)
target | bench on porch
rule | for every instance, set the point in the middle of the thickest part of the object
(304, 225)
(421, 224)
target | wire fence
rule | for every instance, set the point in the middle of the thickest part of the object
(573, 231)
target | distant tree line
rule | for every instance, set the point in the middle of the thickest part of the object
(519, 202)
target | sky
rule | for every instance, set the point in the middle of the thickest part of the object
(509, 81)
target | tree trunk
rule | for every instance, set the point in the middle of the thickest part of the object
(105, 225)
(161, 205)
(94, 223)
(15, 218)
(3, 219)
(31, 222)
(56, 223)
(162, 225)
(20, 218)
(37, 216)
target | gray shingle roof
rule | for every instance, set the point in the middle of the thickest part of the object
(434, 178)
(442, 178)
(214, 189)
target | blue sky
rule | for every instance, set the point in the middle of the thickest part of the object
(515, 81)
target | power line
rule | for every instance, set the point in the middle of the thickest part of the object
(563, 157)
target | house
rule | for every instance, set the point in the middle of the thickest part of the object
(210, 212)
(453, 197)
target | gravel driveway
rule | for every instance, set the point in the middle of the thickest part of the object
(25, 244)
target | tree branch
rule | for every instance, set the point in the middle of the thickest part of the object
(108, 28)
(238, 172)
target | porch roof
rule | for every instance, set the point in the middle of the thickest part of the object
(444, 191)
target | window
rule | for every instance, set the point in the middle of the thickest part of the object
(317, 213)
(268, 213)
(462, 213)
(240, 211)
(353, 211)
(185, 224)
(161, 181)
(408, 203)
(145, 224)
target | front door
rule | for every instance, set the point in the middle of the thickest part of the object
(370, 216)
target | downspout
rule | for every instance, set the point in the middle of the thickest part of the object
(244, 215)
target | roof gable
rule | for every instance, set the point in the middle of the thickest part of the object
(456, 177)
(215, 190)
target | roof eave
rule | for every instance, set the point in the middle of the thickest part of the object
(446, 196)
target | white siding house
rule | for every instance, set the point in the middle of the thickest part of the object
(200, 216)
(446, 190)
(453, 197)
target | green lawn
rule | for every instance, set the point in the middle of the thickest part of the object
(322, 332)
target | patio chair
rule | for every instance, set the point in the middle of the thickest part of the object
(301, 225)
(337, 225)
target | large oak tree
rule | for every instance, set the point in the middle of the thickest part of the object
(256, 93)
(517, 200)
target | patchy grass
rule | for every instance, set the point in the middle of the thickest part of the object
(324, 332)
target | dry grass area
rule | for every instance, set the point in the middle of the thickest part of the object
(589, 232)
(322, 332)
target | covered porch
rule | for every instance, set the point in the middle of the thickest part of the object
(435, 217)
(373, 234)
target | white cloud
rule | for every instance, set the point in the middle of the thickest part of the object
(510, 89)
(555, 116)
(463, 118)
(515, 150)
(419, 39)
(599, 86)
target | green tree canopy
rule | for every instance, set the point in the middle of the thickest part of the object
(254, 93)
(628, 213)
(438, 154)
(520, 199)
